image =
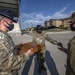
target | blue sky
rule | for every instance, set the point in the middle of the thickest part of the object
(33, 12)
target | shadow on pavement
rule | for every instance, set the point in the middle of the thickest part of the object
(27, 66)
(49, 62)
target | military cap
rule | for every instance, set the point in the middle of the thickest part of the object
(72, 17)
(72, 22)
(39, 29)
(8, 14)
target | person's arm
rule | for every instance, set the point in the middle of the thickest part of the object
(9, 60)
(71, 53)
(53, 41)
(33, 40)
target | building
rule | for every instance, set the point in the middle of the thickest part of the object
(47, 23)
(65, 22)
(58, 22)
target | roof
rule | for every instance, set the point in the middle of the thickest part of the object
(13, 5)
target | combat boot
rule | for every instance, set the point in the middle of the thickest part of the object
(44, 68)
(39, 70)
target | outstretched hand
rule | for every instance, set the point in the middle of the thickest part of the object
(60, 44)
(61, 48)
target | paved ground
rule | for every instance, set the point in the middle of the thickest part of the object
(55, 59)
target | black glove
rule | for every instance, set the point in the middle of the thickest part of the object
(60, 44)
(63, 49)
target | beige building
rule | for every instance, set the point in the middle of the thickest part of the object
(58, 22)
(47, 23)
(53, 22)
(65, 22)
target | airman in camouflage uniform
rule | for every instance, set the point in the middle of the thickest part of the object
(10, 63)
(40, 38)
(70, 69)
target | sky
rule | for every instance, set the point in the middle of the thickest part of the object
(34, 12)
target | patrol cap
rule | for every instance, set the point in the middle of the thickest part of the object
(72, 17)
(38, 27)
(8, 14)
(72, 25)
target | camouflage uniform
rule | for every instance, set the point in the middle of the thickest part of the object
(70, 69)
(40, 39)
(10, 63)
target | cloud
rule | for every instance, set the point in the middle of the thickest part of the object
(32, 19)
(60, 14)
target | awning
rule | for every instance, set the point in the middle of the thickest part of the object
(13, 5)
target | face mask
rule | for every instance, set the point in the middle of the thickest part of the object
(10, 26)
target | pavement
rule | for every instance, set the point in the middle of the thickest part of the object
(55, 60)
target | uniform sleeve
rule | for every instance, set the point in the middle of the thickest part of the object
(3, 53)
(71, 54)
(50, 40)
(33, 39)
(8, 60)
